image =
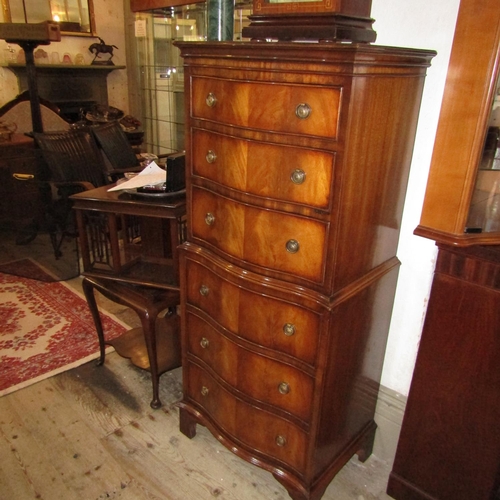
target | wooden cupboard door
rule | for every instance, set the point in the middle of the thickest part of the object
(284, 173)
(285, 108)
(278, 325)
(274, 383)
(269, 239)
(260, 431)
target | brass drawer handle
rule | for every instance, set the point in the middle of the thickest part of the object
(298, 176)
(204, 290)
(211, 100)
(289, 329)
(292, 246)
(303, 110)
(284, 388)
(209, 219)
(280, 440)
(204, 342)
(204, 391)
(211, 156)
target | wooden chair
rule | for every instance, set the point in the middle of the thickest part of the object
(118, 151)
(74, 164)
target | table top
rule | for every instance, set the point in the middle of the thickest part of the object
(120, 202)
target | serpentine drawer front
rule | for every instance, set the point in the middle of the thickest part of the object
(279, 384)
(284, 173)
(294, 109)
(277, 437)
(281, 326)
(293, 244)
(297, 158)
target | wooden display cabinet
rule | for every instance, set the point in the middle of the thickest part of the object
(452, 212)
(449, 446)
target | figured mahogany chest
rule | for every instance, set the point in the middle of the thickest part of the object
(297, 161)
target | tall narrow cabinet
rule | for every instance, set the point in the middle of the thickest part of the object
(297, 164)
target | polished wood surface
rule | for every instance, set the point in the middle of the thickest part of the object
(470, 87)
(450, 439)
(297, 163)
(152, 260)
(129, 254)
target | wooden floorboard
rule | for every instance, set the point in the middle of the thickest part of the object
(90, 433)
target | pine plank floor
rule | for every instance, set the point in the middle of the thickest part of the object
(90, 434)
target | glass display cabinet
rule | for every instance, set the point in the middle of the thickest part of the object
(450, 439)
(462, 200)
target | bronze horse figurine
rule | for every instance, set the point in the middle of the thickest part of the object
(101, 48)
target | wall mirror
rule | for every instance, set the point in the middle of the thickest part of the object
(76, 17)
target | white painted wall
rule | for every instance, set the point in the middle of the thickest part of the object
(426, 24)
(110, 26)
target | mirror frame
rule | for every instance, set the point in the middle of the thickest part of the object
(91, 33)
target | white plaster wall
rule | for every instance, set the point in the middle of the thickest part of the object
(110, 27)
(426, 24)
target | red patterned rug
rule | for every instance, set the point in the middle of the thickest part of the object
(46, 329)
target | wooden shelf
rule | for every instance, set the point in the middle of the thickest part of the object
(132, 345)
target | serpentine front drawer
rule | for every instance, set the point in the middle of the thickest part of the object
(284, 173)
(277, 437)
(285, 108)
(272, 240)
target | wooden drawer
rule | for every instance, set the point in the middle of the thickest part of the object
(256, 429)
(275, 383)
(267, 106)
(269, 239)
(268, 322)
(283, 173)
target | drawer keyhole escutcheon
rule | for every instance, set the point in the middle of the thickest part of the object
(211, 156)
(209, 219)
(204, 391)
(303, 111)
(298, 176)
(284, 388)
(280, 440)
(204, 290)
(204, 342)
(211, 100)
(292, 246)
(289, 329)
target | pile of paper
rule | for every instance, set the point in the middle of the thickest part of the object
(150, 176)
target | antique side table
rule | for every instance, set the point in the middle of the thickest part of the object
(129, 254)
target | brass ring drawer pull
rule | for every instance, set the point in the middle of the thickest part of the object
(292, 246)
(204, 290)
(303, 110)
(209, 219)
(284, 388)
(204, 391)
(289, 329)
(280, 440)
(204, 342)
(211, 100)
(298, 176)
(211, 156)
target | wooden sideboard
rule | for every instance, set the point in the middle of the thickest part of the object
(297, 164)
(19, 200)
